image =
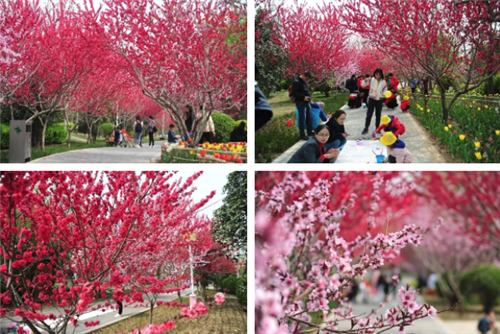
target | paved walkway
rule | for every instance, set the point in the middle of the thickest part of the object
(144, 154)
(415, 138)
(107, 317)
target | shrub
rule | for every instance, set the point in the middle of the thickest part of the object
(482, 281)
(106, 129)
(5, 136)
(224, 125)
(55, 135)
(71, 124)
(241, 290)
(230, 284)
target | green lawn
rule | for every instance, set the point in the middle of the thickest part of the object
(276, 137)
(78, 142)
(229, 317)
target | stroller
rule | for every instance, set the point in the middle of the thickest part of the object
(128, 141)
(355, 100)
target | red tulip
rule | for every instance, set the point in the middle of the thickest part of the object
(289, 122)
(239, 161)
(203, 154)
(190, 140)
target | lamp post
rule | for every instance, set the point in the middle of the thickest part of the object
(192, 296)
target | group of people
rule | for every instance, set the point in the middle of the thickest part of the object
(325, 144)
(239, 134)
(138, 129)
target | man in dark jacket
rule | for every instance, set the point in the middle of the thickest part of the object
(300, 90)
(351, 84)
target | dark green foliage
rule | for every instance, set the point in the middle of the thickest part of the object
(55, 135)
(483, 88)
(230, 284)
(482, 281)
(230, 220)
(5, 136)
(241, 290)
(238, 124)
(224, 125)
(269, 56)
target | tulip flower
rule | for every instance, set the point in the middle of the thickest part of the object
(462, 137)
(449, 125)
(445, 128)
(478, 155)
(203, 154)
(289, 122)
(497, 132)
(478, 109)
(477, 144)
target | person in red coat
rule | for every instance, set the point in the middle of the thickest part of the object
(391, 123)
(392, 86)
(405, 104)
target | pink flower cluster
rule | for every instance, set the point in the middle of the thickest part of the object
(198, 309)
(219, 298)
(155, 329)
(91, 323)
(303, 262)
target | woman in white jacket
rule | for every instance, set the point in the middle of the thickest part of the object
(378, 87)
(209, 130)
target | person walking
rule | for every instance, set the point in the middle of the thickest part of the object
(302, 95)
(151, 129)
(351, 84)
(117, 136)
(378, 87)
(137, 132)
(425, 85)
(209, 130)
(413, 85)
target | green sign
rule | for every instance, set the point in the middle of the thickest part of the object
(18, 130)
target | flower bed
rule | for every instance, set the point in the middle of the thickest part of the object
(473, 131)
(204, 153)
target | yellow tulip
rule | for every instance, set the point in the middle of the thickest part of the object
(477, 144)
(462, 137)
(478, 155)
(191, 152)
(497, 132)
(486, 106)
(473, 101)
(478, 109)
(445, 128)
(428, 110)
(449, 125)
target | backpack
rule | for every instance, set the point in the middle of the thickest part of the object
(138, 127)
(483, 326)
(154, 129)
(292, 98)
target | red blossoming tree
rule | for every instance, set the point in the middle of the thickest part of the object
(444, 40)
(75, 229)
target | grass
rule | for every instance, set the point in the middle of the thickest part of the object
(276, 137)
(227, 318)
(78, 142)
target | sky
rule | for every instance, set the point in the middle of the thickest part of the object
(207, 182)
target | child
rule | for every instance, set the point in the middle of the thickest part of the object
(397, 151)
(171, 135)
(405, 105)
(391, 123)
(487, 322)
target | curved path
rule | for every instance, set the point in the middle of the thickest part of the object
(106, 155)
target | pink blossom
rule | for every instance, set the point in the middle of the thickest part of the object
(219, 298)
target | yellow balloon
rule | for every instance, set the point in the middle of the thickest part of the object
(388, 94)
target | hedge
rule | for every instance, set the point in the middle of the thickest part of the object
(239, 122)
(55, 135)
(482, 281)
(224, 125)
(5, 136)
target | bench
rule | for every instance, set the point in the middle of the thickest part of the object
(110, 142)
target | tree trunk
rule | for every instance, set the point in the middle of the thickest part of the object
(491, 87)
(443, 104)
(180, 296)
(44, 129)
(151, 307)
(68, 141)
(89, 137)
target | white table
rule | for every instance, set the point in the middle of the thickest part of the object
(361, 152)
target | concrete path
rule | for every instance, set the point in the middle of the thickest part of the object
(144, 154)
(107, 317)
(415, 137)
